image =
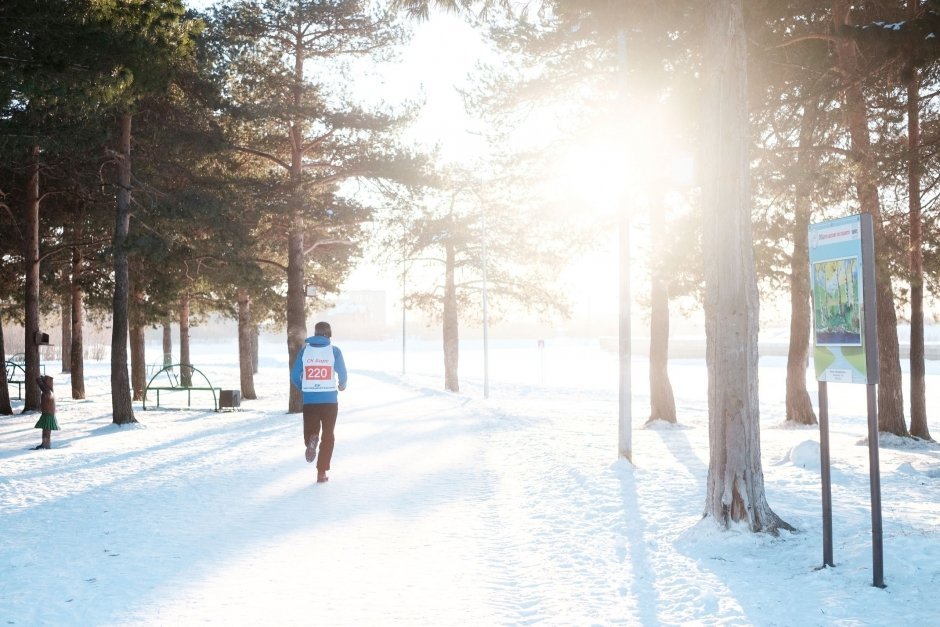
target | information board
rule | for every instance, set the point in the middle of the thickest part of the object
(842, 281)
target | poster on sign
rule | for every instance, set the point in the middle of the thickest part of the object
(842, 276)
(837, 302)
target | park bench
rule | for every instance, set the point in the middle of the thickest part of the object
(169, 379)
(16, 373)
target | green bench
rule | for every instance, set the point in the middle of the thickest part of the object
(16, 374)
(169, 379)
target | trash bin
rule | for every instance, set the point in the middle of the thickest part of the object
(230, 399)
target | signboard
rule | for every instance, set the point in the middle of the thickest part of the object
(842, 282)
(845, 334)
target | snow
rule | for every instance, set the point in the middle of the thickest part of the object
(448, 509)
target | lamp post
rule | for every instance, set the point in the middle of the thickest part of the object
(625, 439)
(404, 292)
(486, 322)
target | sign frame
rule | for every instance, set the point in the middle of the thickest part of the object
(847, 319)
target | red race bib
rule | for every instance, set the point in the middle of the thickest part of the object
(318, 373)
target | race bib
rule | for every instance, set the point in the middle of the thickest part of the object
(318, 369)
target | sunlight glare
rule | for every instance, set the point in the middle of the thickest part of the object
(594, 176)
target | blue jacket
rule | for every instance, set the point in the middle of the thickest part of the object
(339, 367)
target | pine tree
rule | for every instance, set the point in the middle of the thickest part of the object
(890, 394)
(735, 491)
(147, 43)
(288, 114)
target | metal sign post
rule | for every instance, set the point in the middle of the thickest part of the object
(842, 271)
(825, 474)
(877, 547)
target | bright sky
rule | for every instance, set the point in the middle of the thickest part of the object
(433, 65)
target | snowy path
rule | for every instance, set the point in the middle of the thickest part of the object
(442, 510)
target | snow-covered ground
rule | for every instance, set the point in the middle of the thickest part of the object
(448, 509)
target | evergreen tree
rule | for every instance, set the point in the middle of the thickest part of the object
(36, 80)
(464, 227)
(904, 37)
(281, 59)
(890, 394)
(735, 491)
(5, 406)
(791, 93)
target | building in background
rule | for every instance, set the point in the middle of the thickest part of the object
(357, 315)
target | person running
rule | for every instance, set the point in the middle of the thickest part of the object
(319, 373)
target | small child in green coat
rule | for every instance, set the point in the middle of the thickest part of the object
(47, 421)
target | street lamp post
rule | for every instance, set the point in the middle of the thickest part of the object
(625, 440)
(404, 275)
(486, 325)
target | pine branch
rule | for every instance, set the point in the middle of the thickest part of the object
(328, 242)
(263, 155)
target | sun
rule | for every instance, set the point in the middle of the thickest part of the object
(594, 176)
(617, 164)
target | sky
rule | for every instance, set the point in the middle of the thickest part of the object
(448, 509)
(431, 67)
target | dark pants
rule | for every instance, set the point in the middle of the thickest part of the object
(316, 418)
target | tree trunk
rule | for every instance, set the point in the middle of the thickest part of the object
(6, 408)
(78, 323)
(121, 403)
(662, 400)
(451, 326)
(735, 491)
(799, 406)
(890, 392)
(138, 361)
(244, 346)
(255, 335)
(296, 293)
(65, 319)
(31, 327)
(138, 344)
(186, 373)
(296, 309)
(917, 365)
(167, 345)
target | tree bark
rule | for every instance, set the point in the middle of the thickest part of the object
(186, 373)
(6, 408)
(121, 402)
(296, 309)
(296, 293)
(78, 323)
(65, 320)
(451, 325)
(138, 361)
(244, 346)
(31, 327)
(255, 336)
(662, 400)
(138, 344)
(914, 169)
(799, 406)
(167, 345)
(890, 392)
(735, 491)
